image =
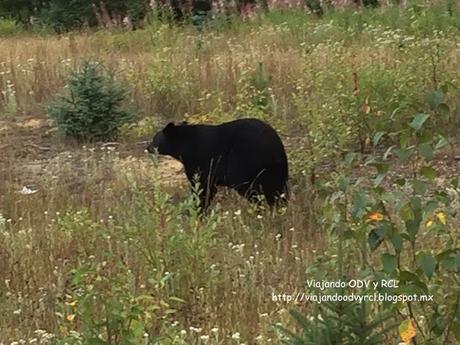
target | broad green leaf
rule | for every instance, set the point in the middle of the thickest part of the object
(427, 263)
(359, 204)
(403, 154)
(416, 204)
(406, 212)
(426, 151)
(428, 172)
(447, 259)
(448, 263)
(376, 237)
(408, 278)
(397, 242)
(389, 262)
(419, 187)
(434, 98)
(430, 206)
(418, 121)
(412, 227)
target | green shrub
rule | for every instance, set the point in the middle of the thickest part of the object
(8, 27)
(91, 108)
(401, 225)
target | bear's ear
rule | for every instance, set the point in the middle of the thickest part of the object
(170, 126)
(184, 123)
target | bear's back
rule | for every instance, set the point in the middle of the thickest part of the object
(256, 136)
(252, 141)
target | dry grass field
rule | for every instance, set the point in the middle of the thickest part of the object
(101, 243)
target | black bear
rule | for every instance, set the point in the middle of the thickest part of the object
(246, 155)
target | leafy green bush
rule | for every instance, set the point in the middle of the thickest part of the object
(401, 225)
(8, 27)
(91, 108)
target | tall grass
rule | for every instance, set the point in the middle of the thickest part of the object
(99, 244)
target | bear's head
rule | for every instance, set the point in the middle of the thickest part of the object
(167, 141)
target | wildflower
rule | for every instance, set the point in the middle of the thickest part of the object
(441, 217)
(375, 216)
(70, 317)
(236, 336)
(72, 304)
(27, 191)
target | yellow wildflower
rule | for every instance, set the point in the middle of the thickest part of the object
(441, 217)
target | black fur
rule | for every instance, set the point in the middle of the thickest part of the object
(246, 155)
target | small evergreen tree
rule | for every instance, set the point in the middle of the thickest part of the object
(350, 323)
(91, 109)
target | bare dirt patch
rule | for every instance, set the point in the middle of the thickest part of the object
(29, 145)
(32, 143)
